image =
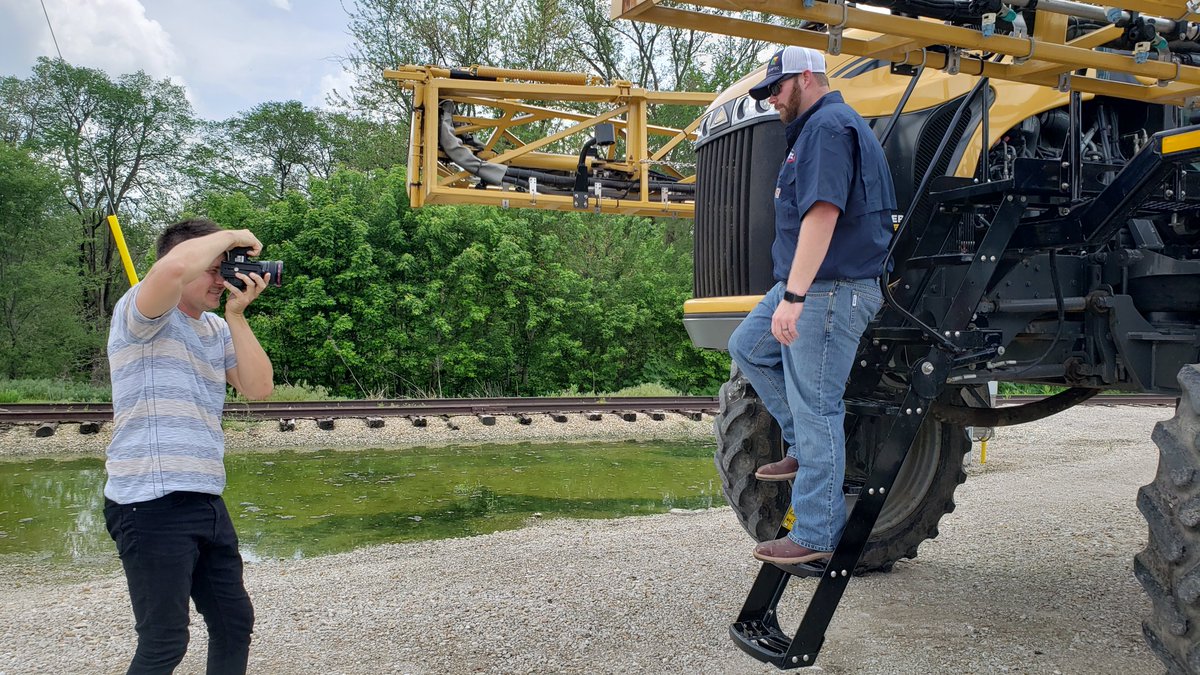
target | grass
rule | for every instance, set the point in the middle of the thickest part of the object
(288, 393)
(52, 391)
(650, 389)
(1027, 389)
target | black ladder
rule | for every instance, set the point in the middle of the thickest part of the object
(756, 630)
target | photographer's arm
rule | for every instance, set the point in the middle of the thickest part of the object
(253, 376)
(162, 287)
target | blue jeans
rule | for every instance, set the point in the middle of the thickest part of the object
(173, 548)
(802, 386)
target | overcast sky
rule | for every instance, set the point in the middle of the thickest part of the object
(230, 55)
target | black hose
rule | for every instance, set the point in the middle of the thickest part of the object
(1062, 316)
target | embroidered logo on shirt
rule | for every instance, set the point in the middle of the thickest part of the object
(791, 157)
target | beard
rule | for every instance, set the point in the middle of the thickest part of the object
(791, 108)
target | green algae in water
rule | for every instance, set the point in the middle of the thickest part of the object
(300, 503)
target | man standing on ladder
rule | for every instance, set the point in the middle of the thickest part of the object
(833, 222)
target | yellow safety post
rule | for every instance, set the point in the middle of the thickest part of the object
(983, 441)
(125, 259)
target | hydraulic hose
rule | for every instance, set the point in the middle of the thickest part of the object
(452, 145)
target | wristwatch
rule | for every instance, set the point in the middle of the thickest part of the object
(789, 296)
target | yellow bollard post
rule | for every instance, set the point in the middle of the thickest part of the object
(124, 250)
(983, 451)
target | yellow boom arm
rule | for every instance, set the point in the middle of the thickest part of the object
(490, 116)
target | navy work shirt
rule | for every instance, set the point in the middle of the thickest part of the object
(835, 158)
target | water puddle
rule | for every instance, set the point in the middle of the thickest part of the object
(300, 504)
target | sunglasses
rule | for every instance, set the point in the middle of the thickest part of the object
(777, 87)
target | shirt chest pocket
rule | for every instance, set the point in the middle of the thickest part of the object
(868, 183)
(785, 187)
(786, 216)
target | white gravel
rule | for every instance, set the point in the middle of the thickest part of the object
(1032, 574)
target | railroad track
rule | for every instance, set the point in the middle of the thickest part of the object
(27, 413)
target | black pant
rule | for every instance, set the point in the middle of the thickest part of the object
(172, 548)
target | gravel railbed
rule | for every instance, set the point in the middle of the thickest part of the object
(1031, 574)
(397, 432)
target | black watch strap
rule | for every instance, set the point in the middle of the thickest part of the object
(789, 296)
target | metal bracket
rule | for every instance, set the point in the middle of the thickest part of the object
(988, 24)
(533, 190)
(1141, 52)
(834, 46)
(1032, 48)
(1178, 67)
(953, 61)
(1064, 82)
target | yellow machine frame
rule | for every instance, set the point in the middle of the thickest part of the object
(1045, 58)
(433, 180)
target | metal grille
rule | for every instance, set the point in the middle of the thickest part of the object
(734, 221)
(932, 134)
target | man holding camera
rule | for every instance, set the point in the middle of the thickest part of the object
(170, 359)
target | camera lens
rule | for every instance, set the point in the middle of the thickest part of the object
(275, 269)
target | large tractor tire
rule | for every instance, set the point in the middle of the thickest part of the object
(748, 437)
(1169, 567)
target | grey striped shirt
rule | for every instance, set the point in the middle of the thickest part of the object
(168, 379)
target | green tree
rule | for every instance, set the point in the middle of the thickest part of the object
(117, 146)
(379, 299)
(41, 332)
(280, 146)
(525, 34)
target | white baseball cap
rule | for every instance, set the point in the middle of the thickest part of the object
(785, 62)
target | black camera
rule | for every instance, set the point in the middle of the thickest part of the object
(238, 260)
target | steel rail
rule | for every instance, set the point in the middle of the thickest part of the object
(102, 412)
(26, 413)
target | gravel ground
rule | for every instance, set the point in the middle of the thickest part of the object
(1032, 574)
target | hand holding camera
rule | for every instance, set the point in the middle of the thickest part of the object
(237, 259)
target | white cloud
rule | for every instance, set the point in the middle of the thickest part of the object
(341, 82)
(115, 36)
(232, 54)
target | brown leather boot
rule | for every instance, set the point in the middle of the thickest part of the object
(784, 469)
(787, 552)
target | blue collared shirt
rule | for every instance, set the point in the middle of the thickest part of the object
(835, 158)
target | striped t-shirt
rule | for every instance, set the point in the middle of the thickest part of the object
(168, 379)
